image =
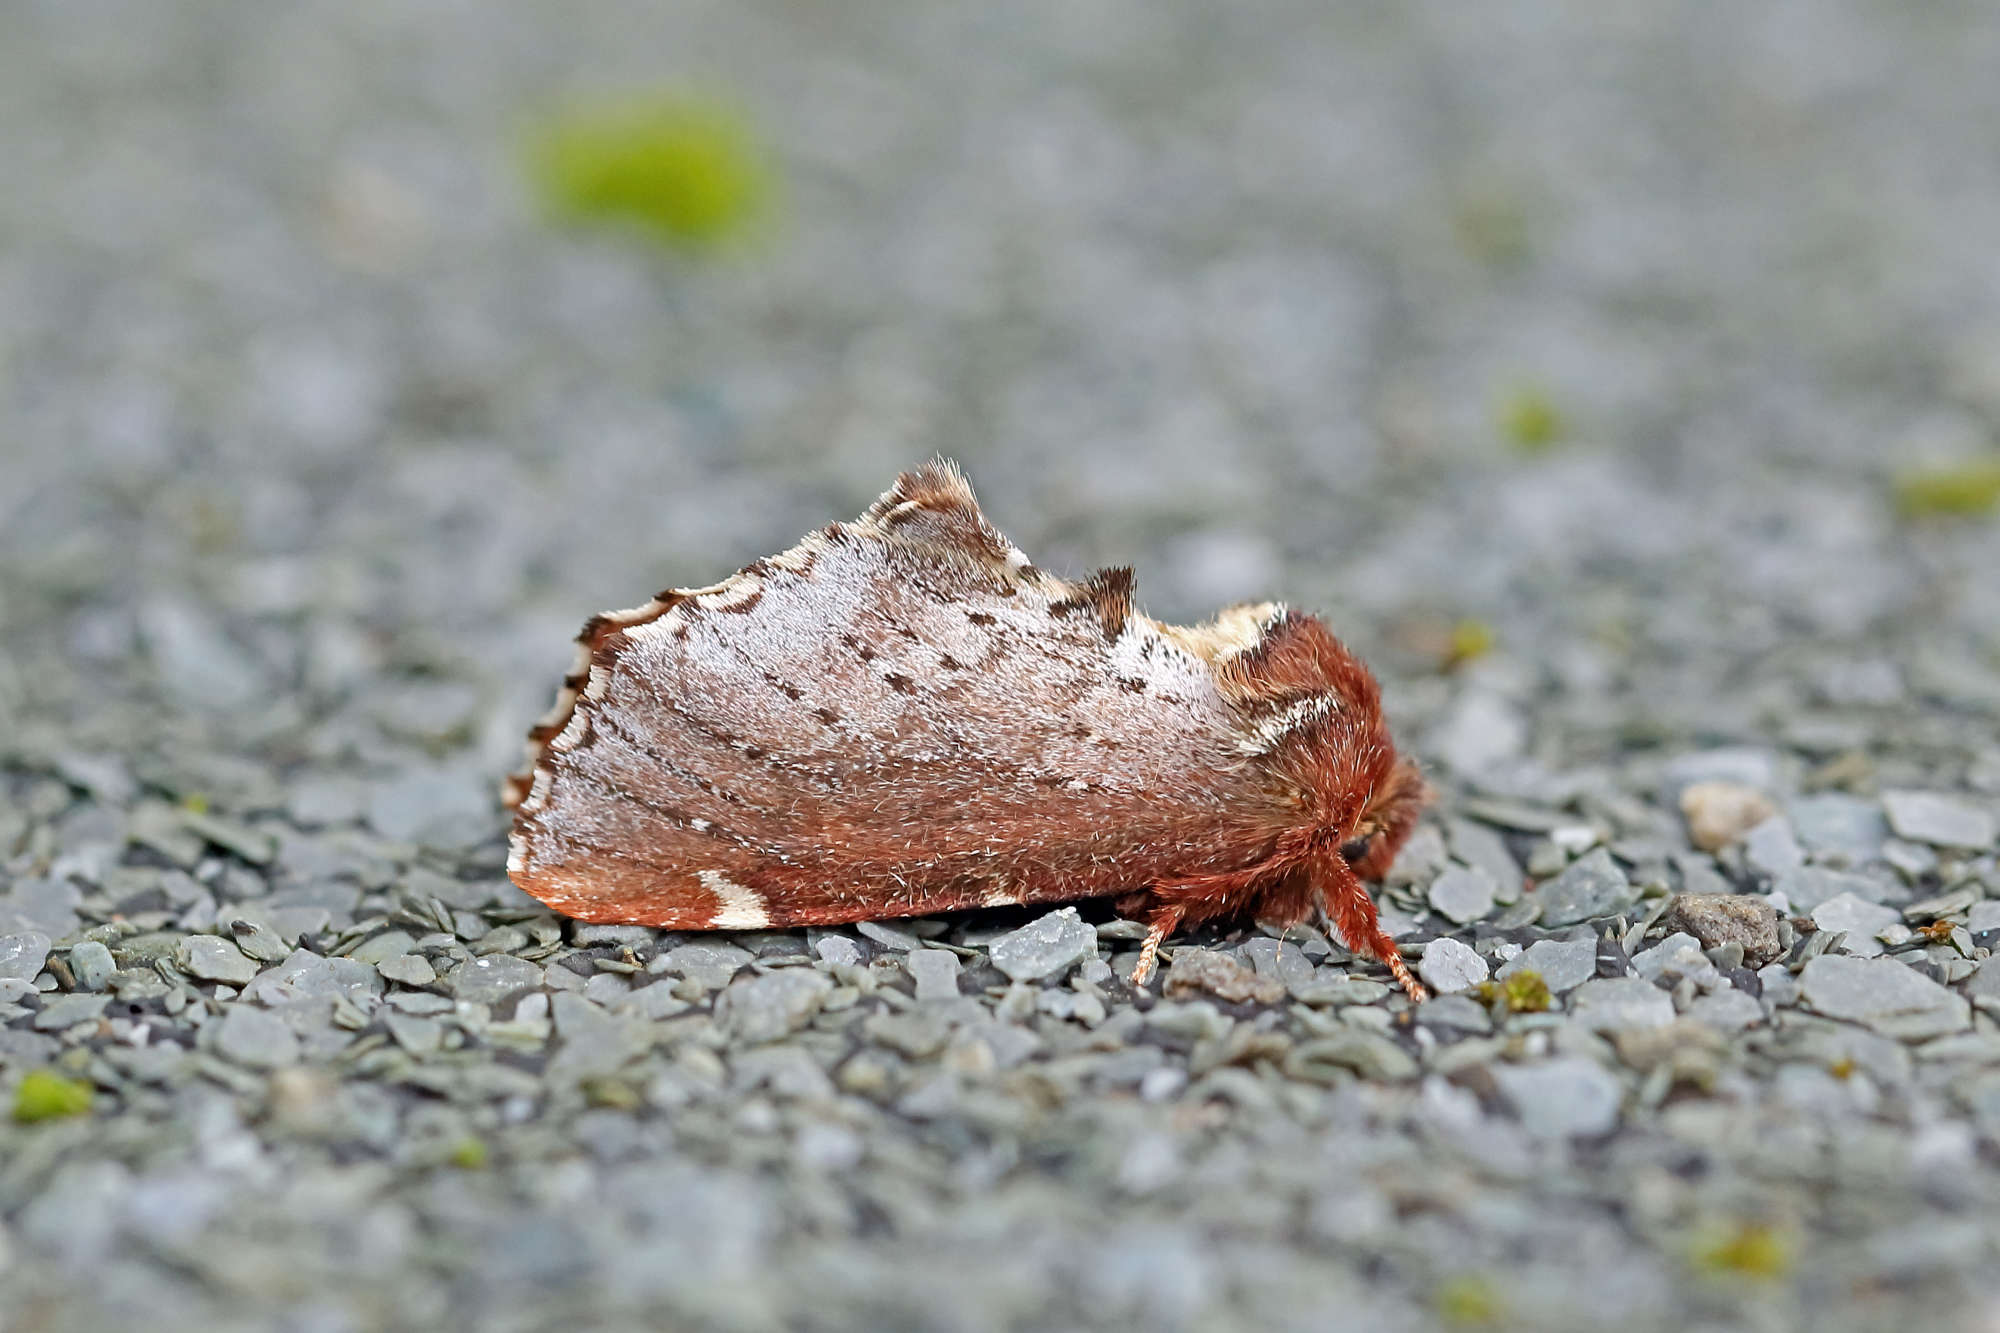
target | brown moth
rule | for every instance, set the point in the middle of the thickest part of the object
(902, 715)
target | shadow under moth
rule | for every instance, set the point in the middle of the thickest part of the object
(901, 715)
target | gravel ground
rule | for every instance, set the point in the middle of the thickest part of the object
(1565, 360)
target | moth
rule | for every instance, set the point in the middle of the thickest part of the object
(901, 715)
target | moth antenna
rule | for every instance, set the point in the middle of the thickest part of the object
(1347, 902)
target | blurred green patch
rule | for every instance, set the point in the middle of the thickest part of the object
(684, 169)
(1529, 419)
(46, 1095)
(1744, 1249)
(1951, 489)
(1523, 992)
(1470, 641)
(1467, 1301)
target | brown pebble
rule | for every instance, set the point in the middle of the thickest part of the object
(1718, 813)
(1725, 918)
(1198, 970)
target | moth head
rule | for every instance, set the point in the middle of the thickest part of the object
(1385, 822)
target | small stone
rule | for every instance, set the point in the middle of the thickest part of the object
(1883, 994)
(66, 1011)
(711, 965)
(888, 936)
(1771, 849)
(765, 1008)
(212, 958)
(1834, 823)
(377, 948)
(92, 965)
(1613, 1004)
(1047, 947)
(1727, 1011)
(1196, 971)
(838, 950)
(254, 1037)
(1419, 858)
(1563, 1098)
(434, 807)
(936, 973)
(1718, 813)
(1563, 964)
(1860, 919)
(1461, 894)
(408, 970)
(1449, 966)
(1809, 886)
(1593, 886)
(1481, 847)
(22, 956)
(1364, 1053)
(252, 845)
(38, 907)
(492, 979)
(1718, 919)
(1678, 955)
(1941, 820)
(259, 941)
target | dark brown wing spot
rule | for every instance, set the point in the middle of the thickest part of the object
(1108, 593)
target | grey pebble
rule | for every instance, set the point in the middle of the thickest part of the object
(1834, 822)
(438, 807)
(1046, 947)
(935, 972)
(1860, 919)
(1727, 1010)
(212, 958)
(1462, 894)
(92, 965)
(887, 936)
(253, 1037)
(407, 969)
(379, 948)
(1592, 886)
(1562, 964)
(66, 1011)
(1883, 994)
(1449, 966)
(1364, 1053)
(1614, 1004)
(1809, 886)
(22, 955)
(1941, 820)
(1771, 849)
(492, 979)
(1562, 1098)
(765, 1008)
(838, 950)
(710, 965)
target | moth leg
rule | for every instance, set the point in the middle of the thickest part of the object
(1162, 925)
(1345, 899)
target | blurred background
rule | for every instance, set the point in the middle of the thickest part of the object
(350, 354)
